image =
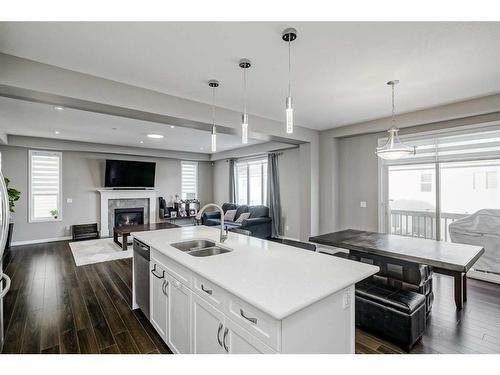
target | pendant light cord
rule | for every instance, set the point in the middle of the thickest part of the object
(213, 106)
(244, 91)
(289, 67)
(393, 115)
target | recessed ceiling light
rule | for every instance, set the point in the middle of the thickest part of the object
(57, 132)
(172, 126)
(59, 108)
(155, 136)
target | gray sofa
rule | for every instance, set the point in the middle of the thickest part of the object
(258, 223)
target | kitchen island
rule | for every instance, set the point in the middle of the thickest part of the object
(260, 297)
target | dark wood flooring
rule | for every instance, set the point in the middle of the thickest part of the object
(56, 307)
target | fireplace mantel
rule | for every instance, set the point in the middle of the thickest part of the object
(107, 194)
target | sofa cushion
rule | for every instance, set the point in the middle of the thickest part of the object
(228, 206)
(241, 209)
(258, 211)
(229, 216)
(243, 216)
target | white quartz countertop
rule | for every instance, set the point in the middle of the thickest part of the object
(275, 278)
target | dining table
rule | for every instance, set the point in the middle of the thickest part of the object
(451, 259)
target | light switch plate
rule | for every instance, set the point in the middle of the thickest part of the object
(362, 204)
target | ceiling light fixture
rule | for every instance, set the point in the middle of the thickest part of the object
(394, 148)
(213, 84)
(289, 35)
(244, 64)
(57, 132)
(59, 108)
(141, 142)
(155, 136)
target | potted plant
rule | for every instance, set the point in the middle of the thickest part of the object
(54, 213)
(14, 196)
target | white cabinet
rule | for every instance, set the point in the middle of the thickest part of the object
(158, 301)
(208, 327)
(239, 341)
(179, 316)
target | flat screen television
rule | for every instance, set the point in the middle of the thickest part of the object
(129, 174)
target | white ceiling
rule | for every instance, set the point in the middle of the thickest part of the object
(19, 117)
(339, 69)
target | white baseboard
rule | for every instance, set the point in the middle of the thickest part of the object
(30, 242)
(484, 276)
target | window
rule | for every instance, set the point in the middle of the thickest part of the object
(251, 181)
(426, 182)
(491, 180)
(189, 180)
(484, 180)
(45, 185)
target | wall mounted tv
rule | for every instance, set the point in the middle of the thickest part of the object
(129, 174)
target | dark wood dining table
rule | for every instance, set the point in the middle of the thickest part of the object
(446, 258)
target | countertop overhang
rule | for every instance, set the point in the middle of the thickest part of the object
(275, 278)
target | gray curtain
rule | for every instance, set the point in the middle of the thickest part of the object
(273, 194)
(232, 182)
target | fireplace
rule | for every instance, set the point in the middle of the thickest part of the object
(129, 216)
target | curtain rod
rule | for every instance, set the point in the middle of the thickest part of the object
(262, 154)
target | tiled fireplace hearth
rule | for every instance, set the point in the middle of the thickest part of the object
(127, 206)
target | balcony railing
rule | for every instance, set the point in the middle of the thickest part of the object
(421, 224)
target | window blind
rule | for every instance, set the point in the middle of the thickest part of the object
(189, 179)
(45, 185)
(462, 145)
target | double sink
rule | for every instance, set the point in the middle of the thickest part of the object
(200, 248)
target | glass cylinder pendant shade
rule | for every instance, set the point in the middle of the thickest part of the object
(244, 128)
(214, 139)
(289, 115)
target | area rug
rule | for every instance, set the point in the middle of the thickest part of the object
(97, 251)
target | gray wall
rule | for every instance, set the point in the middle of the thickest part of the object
(289, 172)
(358, 181)
(83, 173)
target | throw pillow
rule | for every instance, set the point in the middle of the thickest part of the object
(242, 217)
(229, 216)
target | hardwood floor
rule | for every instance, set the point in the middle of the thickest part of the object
(56, 307)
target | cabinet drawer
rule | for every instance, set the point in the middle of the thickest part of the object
(175, 269)
(258, 323)
(210, 293)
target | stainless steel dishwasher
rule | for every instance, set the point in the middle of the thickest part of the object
(141, 276)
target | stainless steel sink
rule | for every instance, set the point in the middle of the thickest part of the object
(209, 251)
(193, 245)
(200, 248)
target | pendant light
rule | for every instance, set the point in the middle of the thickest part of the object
(289, 35)
(244, 64)
(213, 84)
(394, 149)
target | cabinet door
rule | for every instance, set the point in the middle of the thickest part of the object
(158, 298)
(237, 340)
(179, 317)
(208, 327)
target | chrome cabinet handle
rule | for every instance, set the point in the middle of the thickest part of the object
(155, 274)
(252, 320)
(208, 291)
(224, 340)
(164, 287)
(218, 334)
